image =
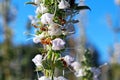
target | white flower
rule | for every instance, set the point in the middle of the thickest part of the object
(58, 44)
(43, 78)
(117, 2)
(38, 38)
(36, 1)
(63, 4)
(37, 60)
(47, 18)
(54, 30)
(79, 73)
(61, 78)
(68, 59)
(75, 65)
(41, 9)
(55, 78)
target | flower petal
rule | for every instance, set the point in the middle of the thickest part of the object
(37, 60)
(68, 59)
(58, 44)
(63, 4)
(47, 18)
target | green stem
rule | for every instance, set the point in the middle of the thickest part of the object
(53, 73)
(55, 7)
(52, 66)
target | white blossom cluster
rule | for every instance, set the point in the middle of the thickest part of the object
(53, 29)
(79, 72)
(69, 62)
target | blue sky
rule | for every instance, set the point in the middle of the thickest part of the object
(97, 30)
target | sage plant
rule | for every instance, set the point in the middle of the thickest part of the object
(51, 23)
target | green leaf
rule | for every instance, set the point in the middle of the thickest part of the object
(30, 3)
(57, 55)
(48, 2)
(49, 54)
(82, 8)
(75, 21)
